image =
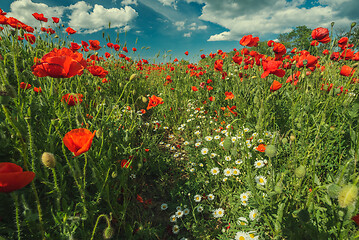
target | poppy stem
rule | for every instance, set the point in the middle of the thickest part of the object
(16, 201)
(118, 100)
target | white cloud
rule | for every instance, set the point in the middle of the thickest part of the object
(179, 25)
(84, 20)
(82, 16)
(271, 16)
(129, 2)
(187, 34)
(171, 3)
(23, 10)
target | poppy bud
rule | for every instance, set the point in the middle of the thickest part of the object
(332, 24)
(333, 190)
(292, 138)
(348, 195)
(227, 143)
(300, 171)
(278, 187)
(284, 141)
(108, 233)
(98, 133)
(144, 99)
(114, 174)
(133, 77)
(353, 24)
(48, 159)
(271, 151)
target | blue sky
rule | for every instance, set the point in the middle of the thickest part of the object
(172, 27)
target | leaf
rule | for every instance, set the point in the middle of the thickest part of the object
(316, 180)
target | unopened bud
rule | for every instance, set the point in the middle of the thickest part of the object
(98, 133)
(333, 190)
(108, 233)
(300, 171)
(48, 160)
(271, 151)
(353, 24)
(144, 99)
(348, 195)
(133, 77)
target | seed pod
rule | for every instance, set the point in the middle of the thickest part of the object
(284, 140)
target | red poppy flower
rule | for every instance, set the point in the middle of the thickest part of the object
(218, 65)
(203, 56)
(116, 47)
(37, 89)
(39, 17)
(30, 38)
(194, 89)
(186, 53)
(134, 49)
(249, 41)
(325, 52)
(125, 49)
(346, 71)
(342, 43)
(2, 12)
(70, 31)
(261, 148)
(229, 95)
(231, 110)
(60, 63)
(55, 19)
(25, 85)
(97, 71)
(279, 50)
(293, 79)
(74, 46)
(13, 178)
(94, 45)
(272, 67)
(275, 86)
(211, 98)
(72, 99)
(356, 219)
(78, 140)
(209, 88)
(154, 101)
(125, 163)
(321, 35)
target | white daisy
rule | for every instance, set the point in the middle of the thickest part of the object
(227, 172)
(199, 208)
(246, 130)
(217, 137)
(173, 148)
(258, 164)
(175, 229)
(253, 236)
(253, 215)
(179, 214)
(197, 144)
(233, 139)
(208, 138)
(173, 218)
(241, 236)
(197, 198)
(171, 135)
(244, 196)
(204, 151)
(242, 221)
(164, 206)
(213, 155)
(218, 213)
(239, 161)
(197, 132)
(215, 171)
(228, 158)
(186, 143)
(261, 180)
(210, 197)
(186, 211)
(235, 171)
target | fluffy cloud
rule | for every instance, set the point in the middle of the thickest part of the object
(169, 3)
(273, 16)
(187, 34)
(129, 2)
(179, 25)
(87, 21)
(82, 16)
(23, 10)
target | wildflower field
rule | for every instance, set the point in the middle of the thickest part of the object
(256, 143)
